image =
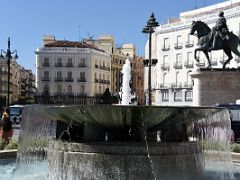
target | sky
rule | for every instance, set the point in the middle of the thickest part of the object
(27, 21)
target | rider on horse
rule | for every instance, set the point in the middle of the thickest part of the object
(219, 30)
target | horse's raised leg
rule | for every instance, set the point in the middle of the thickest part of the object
(195, 54)
(207, 56)
(229, 54)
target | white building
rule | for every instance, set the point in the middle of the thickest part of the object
(174, 48)
(72, 68)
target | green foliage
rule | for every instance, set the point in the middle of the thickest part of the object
(235, 147)
(12, 145)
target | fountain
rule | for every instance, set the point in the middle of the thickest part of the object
(125, 92)
(125, 142)
(142, 142)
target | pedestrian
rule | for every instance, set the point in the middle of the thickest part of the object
(6, 130)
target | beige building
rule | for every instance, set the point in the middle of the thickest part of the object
(118, 56)
(71, 69)
(27, 87)
(14, 79)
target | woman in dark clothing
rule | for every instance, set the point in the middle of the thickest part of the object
(6, 130)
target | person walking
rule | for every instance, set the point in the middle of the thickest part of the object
(6, 130)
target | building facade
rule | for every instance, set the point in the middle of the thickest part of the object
(68, 69)
(174, 48)
(138, 79)
(118, 53)
(27, 87)
(14, 79)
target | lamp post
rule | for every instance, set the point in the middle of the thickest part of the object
(8, 55)
(149, 29)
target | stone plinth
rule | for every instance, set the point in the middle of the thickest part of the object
(112, 160)
(212, 86)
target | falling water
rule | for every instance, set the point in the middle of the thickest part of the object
(171, 156)
(125, 89)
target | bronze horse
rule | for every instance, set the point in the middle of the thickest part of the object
(204, 41)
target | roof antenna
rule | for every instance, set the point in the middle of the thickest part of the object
(79, 35)
(195, 4)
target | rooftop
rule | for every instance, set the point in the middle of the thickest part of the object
(64, 43)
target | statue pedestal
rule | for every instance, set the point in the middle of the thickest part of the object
(220, 86)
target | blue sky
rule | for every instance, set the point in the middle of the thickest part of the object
(27, 21)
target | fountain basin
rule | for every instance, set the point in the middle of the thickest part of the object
(127, 142)
(102, 160)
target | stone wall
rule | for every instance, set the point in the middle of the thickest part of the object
(215, 86)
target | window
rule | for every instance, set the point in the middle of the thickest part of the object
(59, 89)
(59, 60)
(178, 95)
(189, 62)
(69, 89)
(165, 65)
(165, 95)
(46, 62)
(188, 95)
(69, 63)
(59, 75)
(82, 62)
(165, 44)
(46, 75)
(178, 63)
(178, 44)
(82, 90)
(189, 79)
(82, 77)
(69, 74)
(46, 90)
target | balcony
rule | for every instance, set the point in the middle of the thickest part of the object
(58, 79)
(82, 65)
(69, 79)
(58, 65)
(69, 65)
(189, 44)
(45, 64)
(165, 86)
(178, 65)
(165, 66)
(96, 80)
(176, 85)
(45, 78)
(188, 64)
(188, 85)
(178, 46)
(82, 79)
(166, 48)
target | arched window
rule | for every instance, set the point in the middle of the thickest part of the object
(178, 79)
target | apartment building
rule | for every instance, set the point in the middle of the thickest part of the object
(71, 69)
(14, 79)
(174, 48)
(118, 53)
(27, 87)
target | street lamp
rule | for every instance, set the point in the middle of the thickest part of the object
(149, 28)
(8, 55)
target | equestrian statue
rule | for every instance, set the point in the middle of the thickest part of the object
(217, 38)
